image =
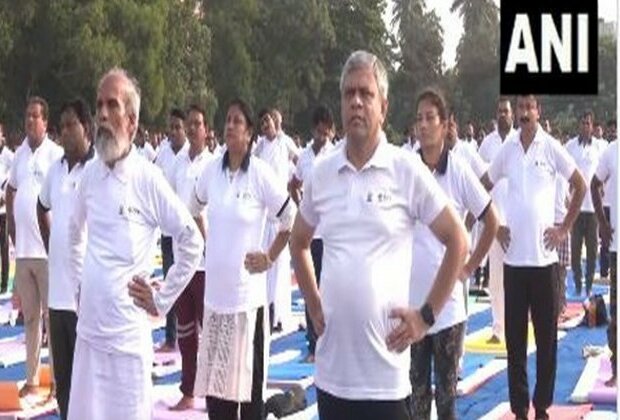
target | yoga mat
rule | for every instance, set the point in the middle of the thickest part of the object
(476, 342)
(31, 406)
(165, 396)
(485, 371)
(601, 394)
(592, 372)
(601, 415)
(563, 412)
(291, 371)
(8, 315)
(166, 363)
(13, 350)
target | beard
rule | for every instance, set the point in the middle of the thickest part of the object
(110, 146)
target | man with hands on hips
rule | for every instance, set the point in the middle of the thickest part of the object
(367, 195)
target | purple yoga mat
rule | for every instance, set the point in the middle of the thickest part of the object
(600, 393)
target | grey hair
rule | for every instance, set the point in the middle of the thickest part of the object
(363, 59)
(132, 90)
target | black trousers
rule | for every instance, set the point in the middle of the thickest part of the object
(585, 230)
(4, 254)
(167, 260)
(219, 409)
(613, 301)
(62, 326)
(316, 250)
(334, 408)
(604, 252)
(531, 290)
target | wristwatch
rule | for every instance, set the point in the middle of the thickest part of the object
(427, 315)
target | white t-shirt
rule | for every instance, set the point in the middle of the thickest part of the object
(466, 194)
(469, 155)
(27, 175)
(586, 157)
(489, 148)
(367, 219)
(409, 147)
(165, 161)
(147, 151)
(6, 161)
(607, 171)
(561, 195)
(237, 209)
(58, 195)
(531, 188)
(278, 153)
(121, 209)
(186, 174)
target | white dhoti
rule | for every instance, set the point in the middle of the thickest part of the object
(496, 287)
(278, 277)
(108, 386)
(226, 355)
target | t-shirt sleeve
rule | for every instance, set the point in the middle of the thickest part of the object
(275, 198)
(475, 198)
(307, 207)
(497, 168)
(45, 194)
(603, 169)
(564, 164)
(426, 198)
(13, 181)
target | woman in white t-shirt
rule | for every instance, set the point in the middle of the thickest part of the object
(241, 192)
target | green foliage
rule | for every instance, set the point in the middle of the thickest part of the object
(284, 53)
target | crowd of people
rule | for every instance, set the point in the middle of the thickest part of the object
(383, 242)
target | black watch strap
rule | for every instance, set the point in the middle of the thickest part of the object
(427, 315)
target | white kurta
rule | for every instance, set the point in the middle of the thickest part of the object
(121, 208)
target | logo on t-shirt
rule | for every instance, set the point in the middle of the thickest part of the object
(549, 47)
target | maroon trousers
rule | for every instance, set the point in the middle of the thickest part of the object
(189, 308)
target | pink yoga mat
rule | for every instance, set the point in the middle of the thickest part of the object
(564, 412)
(168, 395)
(600, 393)
(162, 359)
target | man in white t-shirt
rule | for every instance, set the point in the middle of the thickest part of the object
(489, 148)
(168, 151)
(58, 195)
(585, 150)
(189, 308)
(121, 201)
(280, 152)
(607, 174)
(321, 145)
(530, 160)
(143, 145)
(32, 161)
(366, 196)
(6, 161)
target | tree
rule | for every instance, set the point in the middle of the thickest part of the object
(477, 68)
(357, 25)
(420, 41)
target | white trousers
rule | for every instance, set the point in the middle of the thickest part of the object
(278, 277)
(108, 386)
(496, 287)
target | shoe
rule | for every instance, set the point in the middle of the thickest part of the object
(541, 415)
